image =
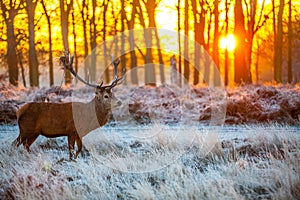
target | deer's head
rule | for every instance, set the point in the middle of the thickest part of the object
(103, 93)
(107, 97)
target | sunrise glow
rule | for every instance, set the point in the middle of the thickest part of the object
(228, 42)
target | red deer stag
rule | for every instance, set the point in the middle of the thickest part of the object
(58, 119)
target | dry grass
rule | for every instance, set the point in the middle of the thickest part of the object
(156, 163)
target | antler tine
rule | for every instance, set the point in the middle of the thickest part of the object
(70, 68)
(115, 66)
(116, 80)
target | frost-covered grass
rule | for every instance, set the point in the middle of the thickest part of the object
(157, 162)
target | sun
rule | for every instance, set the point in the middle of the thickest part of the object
(228, 42)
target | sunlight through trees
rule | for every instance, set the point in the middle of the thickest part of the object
(252, 40)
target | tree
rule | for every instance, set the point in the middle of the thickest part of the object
(179, 42)
(51, 75)
(74, 40)
(199, 26)
(123, 18)
(227, 5)
(290, 46)
(9, 12)
(151, 6)
(93, 38)
(186, 73)
(217, 78)
(149, 66)
(278, 49)
(84, 12)
(65, 10)
(250, 34)
(241, 72)
(209, 14)
(133, 58)
(33, 62)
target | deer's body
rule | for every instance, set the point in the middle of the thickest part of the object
(73, 119)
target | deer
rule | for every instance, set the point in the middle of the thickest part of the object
(58, 119)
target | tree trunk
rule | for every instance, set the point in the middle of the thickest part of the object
(51, 75)
(133, 64)
(226, 71)
(11, 55)
(207, 48)
(217, 74)
(179, 43)
(74, 41)
(65, 9)
(93, 36)
(12, 62)
(290, 46)
(240, 68)
(278, 47)
(105, 6)
(149, 67)
(250, 36)
(151, 6)
(20, 58)
(186, 44)
(275, 35)
(199, 26)
(33, 62)
(123, 58)
(84, 16)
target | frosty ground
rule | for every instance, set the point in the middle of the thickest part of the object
(175, 153)
(247, 162)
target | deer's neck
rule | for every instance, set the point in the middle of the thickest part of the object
(103, 112)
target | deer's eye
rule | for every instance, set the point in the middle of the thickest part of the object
(106, 96)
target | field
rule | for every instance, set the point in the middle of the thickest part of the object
(145, 155)
(253, 162)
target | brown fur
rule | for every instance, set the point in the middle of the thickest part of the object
(72, 119)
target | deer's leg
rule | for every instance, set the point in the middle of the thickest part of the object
(17, 141)
(79, 145)
(71, 143)
(28, 141)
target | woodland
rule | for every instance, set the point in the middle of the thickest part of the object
(209, 98)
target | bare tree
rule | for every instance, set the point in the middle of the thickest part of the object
(179, 42)
(151, 6)
(217, 78)
(226, 71)
(278, 47)
(75, 37)
(9, 12)
(51, 75)
(123, 18)
(130, 24)
(33, 62)
(84, 12)
(186, 43)
(65, 9)
(241, 72)
(149, 67)
(209, 15)
(199, 26)
(290, 46)
(93, 37)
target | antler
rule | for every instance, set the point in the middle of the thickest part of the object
(67, 62)
(116, 80)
